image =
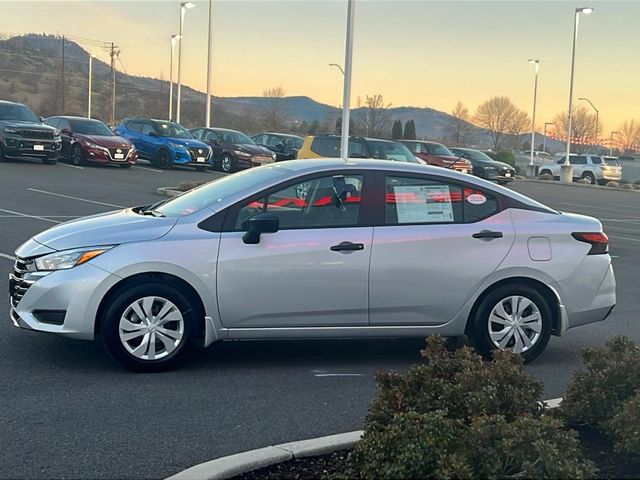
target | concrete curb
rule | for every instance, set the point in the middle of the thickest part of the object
(168, 192)
(227, 467)
(578, 185)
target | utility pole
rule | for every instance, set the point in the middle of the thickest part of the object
(113, 53)
(62, 85)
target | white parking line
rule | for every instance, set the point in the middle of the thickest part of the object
(338, 375)
(70, 166)
(8, 257)
(150, 169)
(44, 216)
(74, 198)
(26, 215)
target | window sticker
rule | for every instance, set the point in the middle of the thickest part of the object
(423, 204)
(476, 199)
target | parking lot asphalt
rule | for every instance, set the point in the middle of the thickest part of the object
(69, 411)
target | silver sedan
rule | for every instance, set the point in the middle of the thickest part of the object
(373, 249)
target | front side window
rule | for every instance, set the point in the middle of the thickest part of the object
(390, 151)
(148, 129)
(211, 136)
(332, 201)
(426, 201)
(578, 160)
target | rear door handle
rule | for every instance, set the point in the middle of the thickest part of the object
(347, 246)
(488, 234)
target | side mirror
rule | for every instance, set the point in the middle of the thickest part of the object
(67, 132)
(279, 147)
(259, 224)
(41, 119)
(153, 134)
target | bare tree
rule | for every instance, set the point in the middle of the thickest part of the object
(276, 115)
(373, 118)
(520, 123)
(628, 135)
(496, 115)
(583, 127)
(461, 130)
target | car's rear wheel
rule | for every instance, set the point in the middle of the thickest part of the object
(589, 176)
(227, 163)
(513, 317)
(149, 327)
(162, 159)
(77, 155)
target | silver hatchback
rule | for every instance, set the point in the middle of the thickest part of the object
(373, 249)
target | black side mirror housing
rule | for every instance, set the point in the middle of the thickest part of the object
(259, 224)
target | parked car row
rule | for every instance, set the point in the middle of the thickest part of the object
(594, 168)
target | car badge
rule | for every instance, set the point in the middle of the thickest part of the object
(118, 151)
(199, 150)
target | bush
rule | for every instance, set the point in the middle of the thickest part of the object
(546, 176)
(506, 157)
(624, 181)
(186, 186)
(625, 427)
(612, 377)
(585, 181)
(626, 186)
(457, 416)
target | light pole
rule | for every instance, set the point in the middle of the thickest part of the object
(174, 38)
(544, 136)
(183, 8)
(91, 57)
(532, 169)
(597, 115)
(346, 90)
(208, 110)
(611, 142)
(338, 67)
(566, 170)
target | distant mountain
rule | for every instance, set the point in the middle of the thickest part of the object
(31, 72)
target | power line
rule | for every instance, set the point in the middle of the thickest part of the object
(6, 52)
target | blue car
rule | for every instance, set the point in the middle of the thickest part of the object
(165, 143)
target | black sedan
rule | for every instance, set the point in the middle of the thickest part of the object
(284, 145)
(486, 167)
(233, 150)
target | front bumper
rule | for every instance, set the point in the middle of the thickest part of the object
(192, 159)
(15, 147)
(76, 292)
(104, 156)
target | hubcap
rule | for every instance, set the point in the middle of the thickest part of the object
(77, 155)
(226, 163)
(515, 324)
(151, 328)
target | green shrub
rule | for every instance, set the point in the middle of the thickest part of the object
(625, 427)
(612, 377)
(457, 416)
(506, 157)
(585, 181)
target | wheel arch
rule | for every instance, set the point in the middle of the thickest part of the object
(550, 295)
(183, 286)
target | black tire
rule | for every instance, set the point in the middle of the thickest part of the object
(227, 163)
(545, 172)
(49, 161)
(479, 325)
(120, 304)
(589, 176)
(77, 155)
(162, 159)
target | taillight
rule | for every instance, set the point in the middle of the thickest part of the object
(598, 240)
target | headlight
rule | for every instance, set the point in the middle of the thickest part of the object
(68, 258)
(11, 130)
(92, 145)
(177, 145)
(240, 153)
(273, 155)
(56, 132)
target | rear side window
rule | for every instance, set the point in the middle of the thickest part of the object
(423, 201)
(578, 160)
(135, 126)
(596, 160)
(326, 146)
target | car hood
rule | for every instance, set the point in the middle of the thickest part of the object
(253, 149)
(111, 228)
(29, 125)
(187, 142)
(107, 142)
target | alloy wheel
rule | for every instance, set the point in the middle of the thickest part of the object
(226, 163)
(151, 328)
(76, 155)
(515, 324)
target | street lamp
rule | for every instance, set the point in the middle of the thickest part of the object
(566, 170)
(611, 142)
(532, 168)
(208, 110)
(338, 67)
(597, 115)
(346, 96)
(174, 38)
(91, 57)
(544, 136)
(184, 6)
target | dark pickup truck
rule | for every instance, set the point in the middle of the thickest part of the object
(22, 134)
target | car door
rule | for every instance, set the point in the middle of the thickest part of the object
(313, 271)
(213, 140)
(434, 243)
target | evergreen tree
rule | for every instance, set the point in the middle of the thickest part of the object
(396, 130)
(314, 127)
(410, 130)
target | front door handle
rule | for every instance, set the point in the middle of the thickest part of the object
(347, 246)
(488, 234)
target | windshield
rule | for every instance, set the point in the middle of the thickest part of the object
(170, 129)
(390, 151)
(437, 149)
(209, 194)
(21, 113)
(230, 136)
(476, 155)
(88, 127)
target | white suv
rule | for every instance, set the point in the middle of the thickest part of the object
(591, 167)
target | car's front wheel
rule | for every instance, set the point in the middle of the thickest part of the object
(77, 155)
(513, 317)
(590, 177)
(162, 159)
(148, 327)
(227, 163)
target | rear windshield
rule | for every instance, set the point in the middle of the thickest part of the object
(611, 161)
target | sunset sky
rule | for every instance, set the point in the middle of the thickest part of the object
(418, 53)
